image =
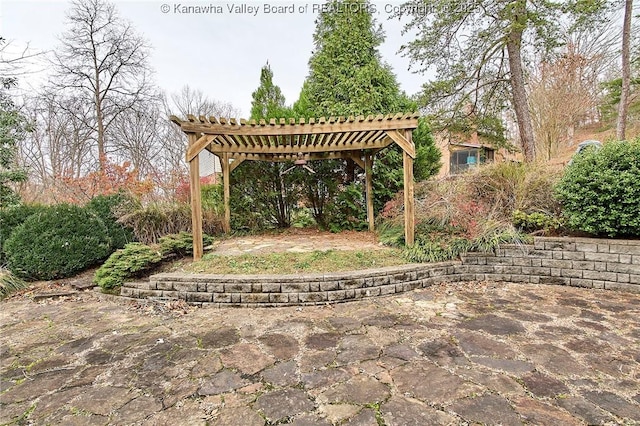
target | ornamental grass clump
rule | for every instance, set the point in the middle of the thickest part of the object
(472, 211)
(9, 283)
(156, 220)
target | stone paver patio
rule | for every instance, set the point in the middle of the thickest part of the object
(473, 353)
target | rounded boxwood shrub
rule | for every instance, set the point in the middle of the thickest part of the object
(105, 206)
(600, 190)
(58, 242)
(11, 218)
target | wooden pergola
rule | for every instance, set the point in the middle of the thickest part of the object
(355, 138)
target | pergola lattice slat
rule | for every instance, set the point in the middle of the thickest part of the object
(354, 138)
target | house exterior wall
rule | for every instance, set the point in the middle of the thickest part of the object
(448, 144)
(443, 145)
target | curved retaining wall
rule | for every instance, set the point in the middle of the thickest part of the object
(579, 262)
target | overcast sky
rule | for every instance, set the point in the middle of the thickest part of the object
(220, 53)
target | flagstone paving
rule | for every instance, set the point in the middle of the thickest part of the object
(459, 354)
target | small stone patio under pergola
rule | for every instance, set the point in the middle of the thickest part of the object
(354, 138)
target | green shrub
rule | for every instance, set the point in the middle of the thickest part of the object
(180, 244)
(349, 210)
(302, 218)
(126, 263)
(9, 283)
(437, 249)
(57, 242)
(109, 208)
(11, 218)
(536, 221)
(212, 198)
(600, 190)
(436, 242)
(388, 174)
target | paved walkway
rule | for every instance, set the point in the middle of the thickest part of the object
(475, 353)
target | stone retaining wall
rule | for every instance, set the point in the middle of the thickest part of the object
(578, 262)
(581, 262)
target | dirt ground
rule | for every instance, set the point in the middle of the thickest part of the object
(298, 240)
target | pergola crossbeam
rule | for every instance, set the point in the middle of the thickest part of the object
(194, 125)
(355, 155)
(402, 142)
(200, 144)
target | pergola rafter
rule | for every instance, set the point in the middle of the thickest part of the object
(354, 138)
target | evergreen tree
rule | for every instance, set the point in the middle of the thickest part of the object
(347, 77)
(346, 73)
(267, 100)
(13, 127)
(263, 196)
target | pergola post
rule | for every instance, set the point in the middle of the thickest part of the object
(368, 172)
(226, 173)
(409, 208)
(196, 202)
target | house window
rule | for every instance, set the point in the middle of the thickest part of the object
(487, 156)
(464, 159)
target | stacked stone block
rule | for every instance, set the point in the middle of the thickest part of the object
(578, 262)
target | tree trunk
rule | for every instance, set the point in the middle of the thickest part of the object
(520, 104)
(351, 171)
(102, 156)
(623, 106)
(571, 133)
(281, 205)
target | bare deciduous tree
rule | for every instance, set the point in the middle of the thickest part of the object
(61, 141)
(565, 88)
(14, 62)
(189, 101)
(194, 101)
(103, 59)
(623, 106)
(137, 138)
